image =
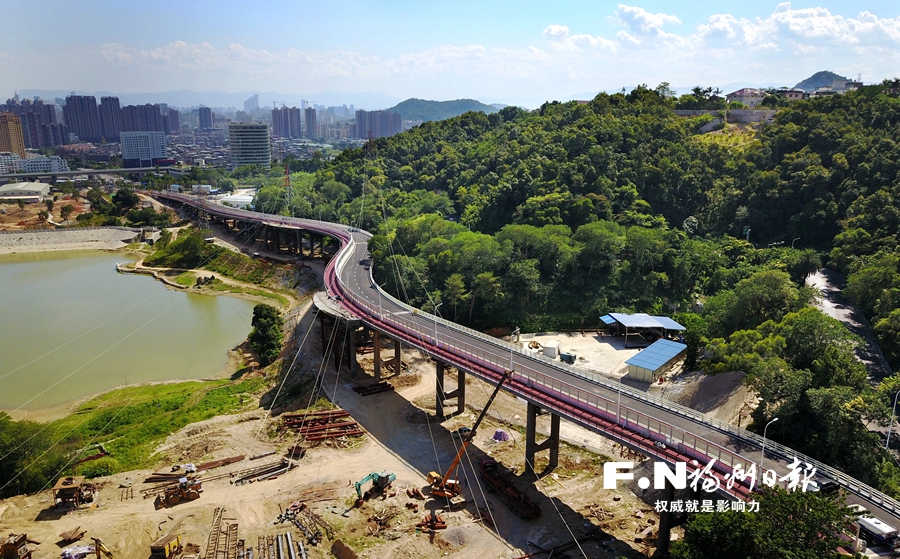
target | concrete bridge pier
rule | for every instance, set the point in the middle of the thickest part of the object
(440, 394)
(665, 522)
(532, 447)
(339, 338)
(376, 356)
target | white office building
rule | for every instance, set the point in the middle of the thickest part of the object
(54, 163)
(142, 149)
(11, 162)
(249, 143)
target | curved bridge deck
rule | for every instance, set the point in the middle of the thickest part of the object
(652, 426)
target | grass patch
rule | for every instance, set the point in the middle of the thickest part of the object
(132, 421)
(186, 279)
(219, 285)
(731, 136)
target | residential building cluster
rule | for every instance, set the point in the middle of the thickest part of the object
(751, 97)
(80, 127)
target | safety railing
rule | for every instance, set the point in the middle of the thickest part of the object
(420, 323)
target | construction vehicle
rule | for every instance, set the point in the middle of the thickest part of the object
(98, 547)
(186, 490)
(445, 486)
(166, 547)
(380, 482)
(517, 501)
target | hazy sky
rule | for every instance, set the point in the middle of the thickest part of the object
(493, 50)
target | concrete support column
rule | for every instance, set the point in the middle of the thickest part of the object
(532, 447)
(351, 357)
(397, 370)
(439, 394)
(376, 344)
(665, 522)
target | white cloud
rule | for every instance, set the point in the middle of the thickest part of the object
(641, 22)
(556, 31)
(559, 38)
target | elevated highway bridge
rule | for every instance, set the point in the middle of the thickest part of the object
(652, 426)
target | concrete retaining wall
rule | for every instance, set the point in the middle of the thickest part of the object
(738, 115)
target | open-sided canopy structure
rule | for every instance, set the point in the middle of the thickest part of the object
(639, 323)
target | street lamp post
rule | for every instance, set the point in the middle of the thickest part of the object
(762, 453)
(887, 443)
(619, 401)
(380, 311)
(435, 322)
(516, 333)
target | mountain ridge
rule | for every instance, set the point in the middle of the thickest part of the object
(426, 110)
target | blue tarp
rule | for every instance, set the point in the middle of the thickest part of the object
(607, 319)
(657, 355)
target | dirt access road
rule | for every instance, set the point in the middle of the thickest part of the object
(834, 304)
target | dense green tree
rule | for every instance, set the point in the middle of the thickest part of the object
(124, 199)
(788, 525)
(66, 211)
(887, 330)
(267, 334)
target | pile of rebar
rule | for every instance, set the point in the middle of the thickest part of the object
(175, 475)
(322, 425)
(264, 471)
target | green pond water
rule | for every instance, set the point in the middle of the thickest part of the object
(71, 326)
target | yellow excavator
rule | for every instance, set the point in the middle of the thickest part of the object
(444, 486)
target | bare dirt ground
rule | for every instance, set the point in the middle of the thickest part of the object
(14, 219)
(403, 437)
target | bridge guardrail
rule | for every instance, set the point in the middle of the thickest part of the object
(414, 328)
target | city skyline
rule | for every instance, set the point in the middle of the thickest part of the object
(508, 52)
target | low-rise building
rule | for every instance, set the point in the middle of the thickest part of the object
(792, 94)
(51, 164)
(11, 162)
(749, 96)
(28, 191)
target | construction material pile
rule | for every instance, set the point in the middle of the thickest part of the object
(377, 388)
(313, 526)
(322, 425)
(270, 470)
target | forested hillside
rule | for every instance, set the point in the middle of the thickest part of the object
(548, 219)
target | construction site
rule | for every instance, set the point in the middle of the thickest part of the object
(364, 460)
(373, 474)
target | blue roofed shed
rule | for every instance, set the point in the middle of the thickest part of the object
(656, 360)
(647, 328)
